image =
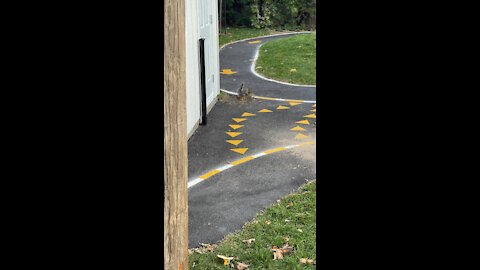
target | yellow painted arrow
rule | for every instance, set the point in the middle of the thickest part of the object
(304, 122)
(235, 126)
(314, 110)
(311, 116)
(294, 103)
(282, 108)
(235, 142)
(314, 105)
(233, 134)
(300, 136)
(238, 120)
(248, 114)
(227, 72)
(297, 128)
(240, 150)
(264, 111)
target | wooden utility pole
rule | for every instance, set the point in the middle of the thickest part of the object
(175, 138)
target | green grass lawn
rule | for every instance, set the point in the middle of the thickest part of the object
(291, 60)
(234, 34)
(292, 221)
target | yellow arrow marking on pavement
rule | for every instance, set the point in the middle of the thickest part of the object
(233, 134)
(240, 150)
(238, 120)
(227, 72)
(282, 108)
(314, 105)
(301, 136)
(311, 116)
(248, 114)
(235, 142)
(297, 128)
(264, 111)
(304, 122)
(236, 126)
(294, 103)
(314, 110)
(254, 42)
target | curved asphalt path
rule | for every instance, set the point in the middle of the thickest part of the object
(239, 58)
(223, 203)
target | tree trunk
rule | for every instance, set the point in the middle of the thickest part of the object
(175, 138)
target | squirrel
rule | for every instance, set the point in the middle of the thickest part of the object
(244, 93)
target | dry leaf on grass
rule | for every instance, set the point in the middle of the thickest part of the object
(242, 266)
(209, 247)
(268, 222)
(300, 230)
(306, 261)
(249, 241)
(287, 249)
(226, 260)
(278, 255)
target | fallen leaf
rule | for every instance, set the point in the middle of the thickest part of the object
(209, 247)
(290, 204)
(286, 249)
(278, 252)
(300, 230)
(242, 266)
(286, 239)
(306, 261)
(278, 255)
(249, 241)
(268, 222)
(287, 220)
(226, 260)
(293, 70)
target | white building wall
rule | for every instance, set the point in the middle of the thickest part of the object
(192, 54)
(192, 65)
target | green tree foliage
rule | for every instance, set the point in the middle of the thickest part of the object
(281, 14)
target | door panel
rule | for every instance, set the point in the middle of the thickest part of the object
(206, 32)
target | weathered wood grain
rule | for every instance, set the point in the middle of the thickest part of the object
(175, 138)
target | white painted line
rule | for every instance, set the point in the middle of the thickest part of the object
(268, 98)
(292, 146)
(259, 155)
(228, 166)
(225, 167)
(194, 182)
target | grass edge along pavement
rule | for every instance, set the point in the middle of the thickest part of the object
(292, 221)
(291, 60)
(241, 33)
